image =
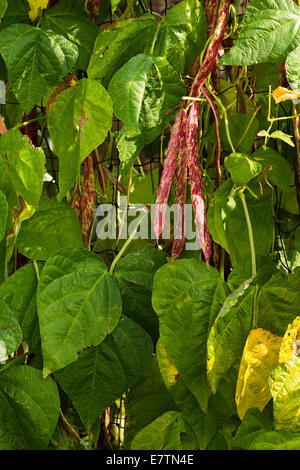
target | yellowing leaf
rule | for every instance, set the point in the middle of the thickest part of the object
(289, 344)
(283, 94)
(168, 371)
(35, 5)
(260, 356)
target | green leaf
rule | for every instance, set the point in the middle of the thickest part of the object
(80, 116)
(276, 440)
(3, 214)
(146, 401)
(116, 45)
(280, 172)
(21, 172)
(270, 30)
(16, 12)
(278, 302)
(243, 271)
(256, 433)
(3, 7)
(242, 168)
(293, 69)
(161, 434)
(10, 331)
(71, 21)
(78, 303)
(35, 59)
(285, 389)
(143, 90)
(135, 274)
(19, 293)
(182, 35)
(229, 332)
(29, 408)
(278, 135)
(227, 222)
(53, 226)
(242, 137)
(103, 373)
(130, 143)
(187, 297)
(203, 425)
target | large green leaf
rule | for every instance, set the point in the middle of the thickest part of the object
(276, 440)
(269, 32)
(21, 173)
(130, 143)
(241, 168)
(146, 401)
(256, 433)
(182, 35)
(79, 304)
(80, 116)
(3, 7)
(279, 172)
(16, 12)
(285, 389)
(293, 69)
(135, 275)
(227, 221)
(54, 226)
(143, 90)
(116, 45)
(10, 331)
(35, 59)
(19, 293)
(203, 426)
(69, 19)
(161, 434)
(29, 408)
(278, 302)
(3, 214)
(187, 297)
(103, 373)
(228, 335)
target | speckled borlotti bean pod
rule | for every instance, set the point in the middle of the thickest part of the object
(181, 163)
(195, 179)
(167, 175)
(211, 56)
(88, 198)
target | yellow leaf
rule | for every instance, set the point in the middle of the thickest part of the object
(289, 343)
(35, 5)
(260, 357)
(283, 94)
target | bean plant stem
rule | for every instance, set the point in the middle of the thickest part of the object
(26, 123)
(250, 232)
(124, 247)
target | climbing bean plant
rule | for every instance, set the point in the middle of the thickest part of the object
(144, 343)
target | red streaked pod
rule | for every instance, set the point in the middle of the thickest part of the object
(180, 189)
(88, 198)
(216, 116)
(195, 179)
(211, 56)
(211, 8)
(167, 175)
